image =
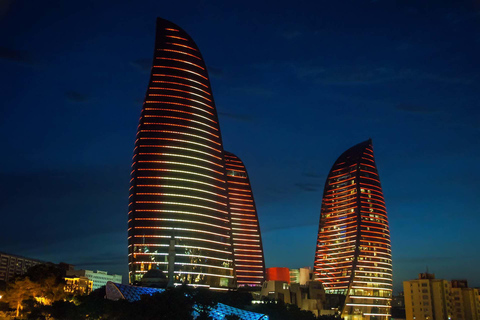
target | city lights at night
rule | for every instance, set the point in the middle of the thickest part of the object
(290, 160)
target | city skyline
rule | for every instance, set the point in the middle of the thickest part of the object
(294, 86)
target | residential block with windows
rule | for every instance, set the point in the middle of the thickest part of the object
(99, 278)
(12, 265)
(78, 285)
(427, 298)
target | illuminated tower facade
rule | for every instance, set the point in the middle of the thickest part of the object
(246, 237)
(178, 192)
(353, 255)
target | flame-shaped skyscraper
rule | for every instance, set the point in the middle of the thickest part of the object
(179, 218)
(178, 186)
(353, 254)
(246, 236)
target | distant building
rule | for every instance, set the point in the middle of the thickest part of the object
(398, 307)
(278, 274)
(427, 298)
(276, 290)
(398, 300)
(465, 301)
(99, 278)
(78, 285)
(12, 265)
(308, 297)
(301, 276)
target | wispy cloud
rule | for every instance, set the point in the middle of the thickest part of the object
(4, 7)
(370, 74)
(240, 117)
(310, 187)
(312, 175)
(348, 75)
(143, 65)
(413, 108)
(291, 34)
(75, 96)
(291, 226)
(424, 259)
(215, 72)
(258, 91)
(456, 18)
(16, 56)
(101, 260)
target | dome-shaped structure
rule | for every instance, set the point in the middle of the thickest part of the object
(154, 278)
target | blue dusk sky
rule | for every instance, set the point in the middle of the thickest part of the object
(296, 83)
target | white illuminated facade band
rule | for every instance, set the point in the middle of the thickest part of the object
(178, 186)
(353, 255)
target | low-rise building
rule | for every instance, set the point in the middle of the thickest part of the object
(78, 285)
(276, 291)
(301, 275)
(310, 296)
(99, 278)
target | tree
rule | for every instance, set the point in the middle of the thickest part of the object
(328, 317)
(236, 299)
(41, 285)
(205, 300)
(281, 311)
(19, 291)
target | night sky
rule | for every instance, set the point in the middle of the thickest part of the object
(296, 83)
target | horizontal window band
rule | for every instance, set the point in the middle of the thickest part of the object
(182, 204)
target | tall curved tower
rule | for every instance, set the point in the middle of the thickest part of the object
(179, 216)
(246, 237)
(353, 255)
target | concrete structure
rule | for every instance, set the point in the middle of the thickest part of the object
(301, 276)
(353, 255)
(309, 297)
(276, 290)
(427, 298)
(12, 265)
(99, 278)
